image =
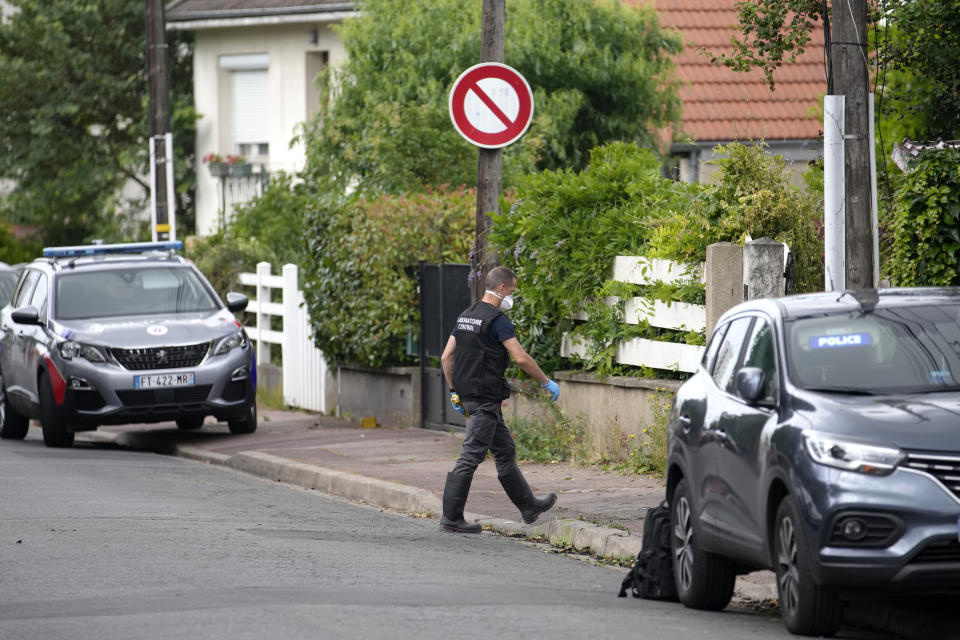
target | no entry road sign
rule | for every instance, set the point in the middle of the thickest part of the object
(491, 105)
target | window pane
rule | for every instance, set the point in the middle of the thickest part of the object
(39, 298)
(251, 122)
(729, 353)
(761, 353)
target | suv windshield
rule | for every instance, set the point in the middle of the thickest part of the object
(131, 291)
(899, 350)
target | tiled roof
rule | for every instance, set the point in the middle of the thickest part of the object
(720, 104)
(196, 9)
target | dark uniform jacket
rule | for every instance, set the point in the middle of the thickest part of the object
(479, 361)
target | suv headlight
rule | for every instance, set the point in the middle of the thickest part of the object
(70, 350)
(851, 456)
(231, 342)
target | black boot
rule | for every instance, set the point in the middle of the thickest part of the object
(454, 497)
(520, 494)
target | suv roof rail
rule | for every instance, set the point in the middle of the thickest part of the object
(100, 249)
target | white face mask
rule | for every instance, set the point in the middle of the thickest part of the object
(506, 302)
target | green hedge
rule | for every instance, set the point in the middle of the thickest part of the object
(925, 222)
(359, 283)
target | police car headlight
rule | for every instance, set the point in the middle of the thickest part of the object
(851, 456)
(231, 342)
(70, 350)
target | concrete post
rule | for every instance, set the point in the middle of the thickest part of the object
(724, 280)
(763, 261)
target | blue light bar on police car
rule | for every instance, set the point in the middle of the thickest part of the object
(95, 249)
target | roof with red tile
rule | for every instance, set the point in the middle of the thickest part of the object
(720, 104)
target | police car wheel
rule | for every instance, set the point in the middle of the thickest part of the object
(248, 424)
(55, 433)
(13, 426)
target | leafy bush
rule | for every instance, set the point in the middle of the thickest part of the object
(276, 219)
(14, 250)
(924, 222)
(599, 71)
(222, 257)
(359, 280)
(561, 236)
(752, 196)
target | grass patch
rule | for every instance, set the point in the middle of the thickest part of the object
(646, 452)
(270, 397)
(555, 437)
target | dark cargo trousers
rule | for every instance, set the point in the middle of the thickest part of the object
(486, 431)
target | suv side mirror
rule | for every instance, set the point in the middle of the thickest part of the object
(236, 301)
(750, 384)
(26, 315)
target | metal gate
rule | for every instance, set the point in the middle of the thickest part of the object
(444, 293)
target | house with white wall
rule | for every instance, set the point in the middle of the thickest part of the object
(255, 65)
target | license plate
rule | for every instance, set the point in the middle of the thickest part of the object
(163, 380)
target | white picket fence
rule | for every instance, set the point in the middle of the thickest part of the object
(304, 367)
(655, 354)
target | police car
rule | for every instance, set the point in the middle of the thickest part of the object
(118, 334)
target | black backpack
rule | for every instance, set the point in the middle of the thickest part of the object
(652, 574)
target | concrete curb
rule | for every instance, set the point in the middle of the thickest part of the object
(582, 536)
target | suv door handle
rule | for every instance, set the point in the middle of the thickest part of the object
(685, 422)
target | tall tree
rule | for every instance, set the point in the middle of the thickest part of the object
(599, 71)
(73, 129)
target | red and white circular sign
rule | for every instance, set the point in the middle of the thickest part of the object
(491, 105)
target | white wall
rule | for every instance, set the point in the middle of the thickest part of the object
(287, 47)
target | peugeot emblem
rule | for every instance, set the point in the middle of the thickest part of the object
(162, 356)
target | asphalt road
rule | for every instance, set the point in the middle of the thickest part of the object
(103, 543)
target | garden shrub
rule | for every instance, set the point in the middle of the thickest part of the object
(221, 257)
(751, 196)
(360, 281)
(925, 222)
(561, 237)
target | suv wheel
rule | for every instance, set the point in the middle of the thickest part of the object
(55, 432)
(807, 608)
(13, 426)
(189, 424)
(248, 424)
(704, 580)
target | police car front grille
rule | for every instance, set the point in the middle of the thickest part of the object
(946, 469)
(179, 396)
(161, 357)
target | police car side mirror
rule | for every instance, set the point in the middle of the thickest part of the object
(750, 384)
(236, 301)
(26, 315)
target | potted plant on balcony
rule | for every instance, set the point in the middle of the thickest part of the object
(214, 161)
(238, 166)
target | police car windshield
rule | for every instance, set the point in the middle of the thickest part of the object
(131, 291)
(885, 351)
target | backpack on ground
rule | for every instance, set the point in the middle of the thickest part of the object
(651, 577)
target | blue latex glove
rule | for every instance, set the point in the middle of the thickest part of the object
(552, 388)
(455, 401)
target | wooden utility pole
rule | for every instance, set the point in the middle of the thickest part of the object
(851, 78)
(161, 147)
(490, 161)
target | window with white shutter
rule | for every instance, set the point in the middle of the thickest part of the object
(249, 107)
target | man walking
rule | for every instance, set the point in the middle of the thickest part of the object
(474, 362)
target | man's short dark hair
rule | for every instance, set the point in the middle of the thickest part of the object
(499, 276)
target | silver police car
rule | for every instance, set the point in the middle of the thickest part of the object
(118, 334)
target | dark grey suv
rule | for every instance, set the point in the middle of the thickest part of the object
(820, 438)
(116, 334)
